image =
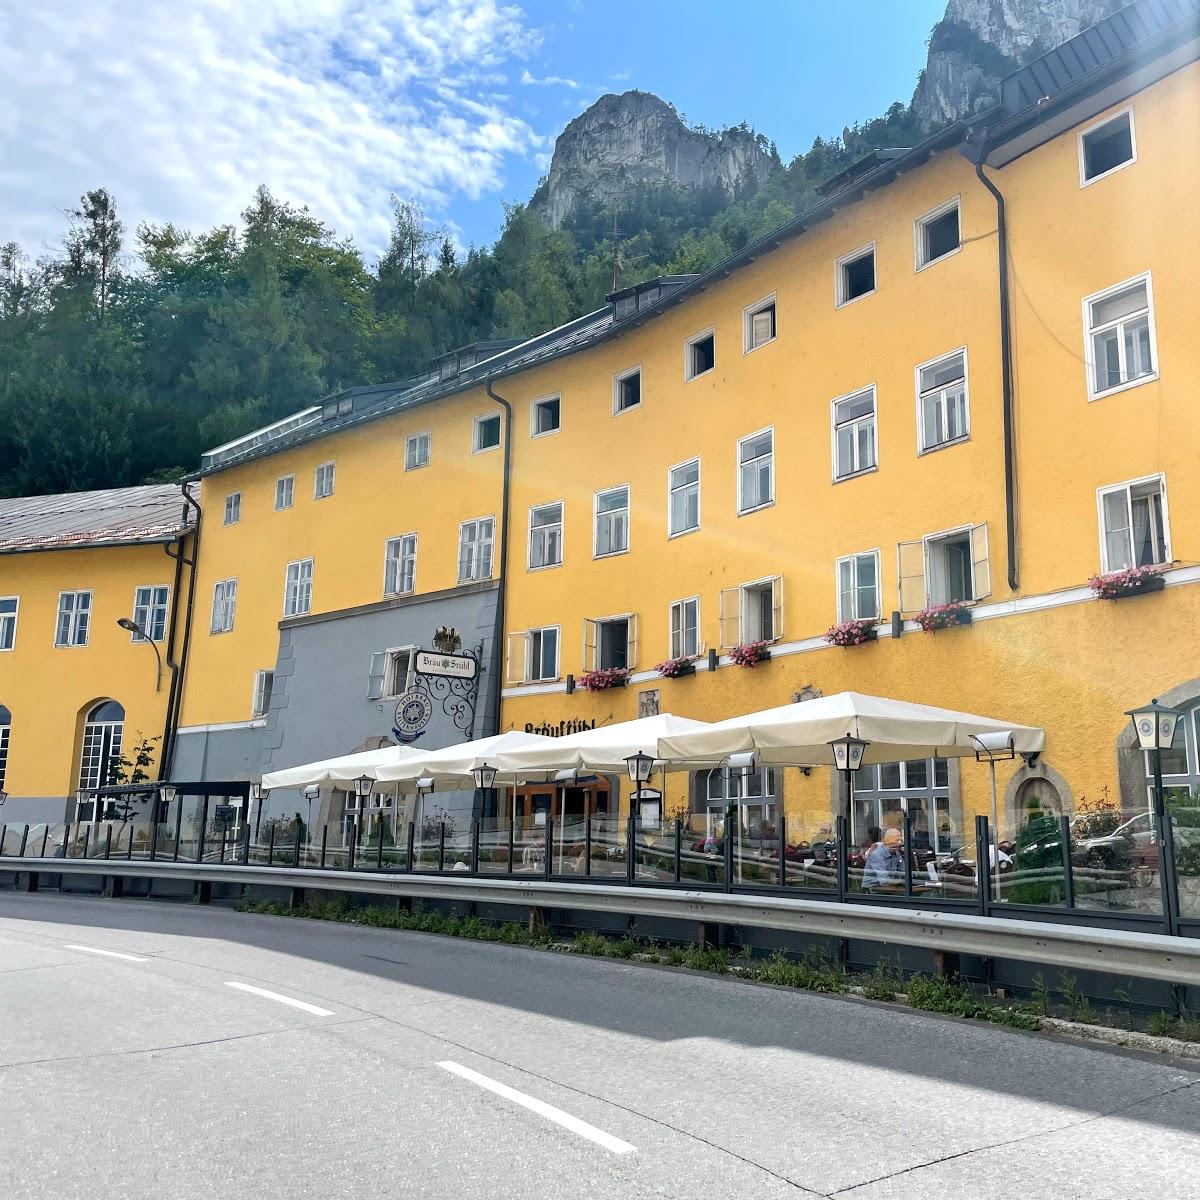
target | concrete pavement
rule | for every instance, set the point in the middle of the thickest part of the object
(361, 1062)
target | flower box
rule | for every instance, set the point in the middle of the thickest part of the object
(1133, 581)
(676, 668)
(943, 616)
(602, 680)
(750, 654)
(852, 633)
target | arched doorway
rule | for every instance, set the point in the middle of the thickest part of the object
(1037, 797)
(100, 749)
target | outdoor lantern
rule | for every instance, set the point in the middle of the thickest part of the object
(994, 747)
(362, 786)
(166, 793)
(848, 752)
(641, 767)
(485, 776)
(1154, 725)
(425, 784)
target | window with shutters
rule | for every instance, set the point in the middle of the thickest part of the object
(942, 409)
(285, 492)
(150, 613)
(1133, 524)
(759, 323)
(233, 508)
(683, 498)
(627, 390)
(545, 416)
(752, 612)
(400, 565)
(297, 588)
(610, 642)
(74, 619)
(475, 549)
(858, 587)
(612, 521)
(699, 355)
(685, 628)
(854, 434)
(546, 535)
(224, 606)
(937, 234)
(855, 275)
(1120, 344)
(416, 450)
(942, 567)
(533, 655)
(8, 621)
(756, 471)
(1106, 147)
(323, 481)
(264, 681)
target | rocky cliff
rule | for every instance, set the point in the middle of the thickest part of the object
(637, 138)
(978, 42)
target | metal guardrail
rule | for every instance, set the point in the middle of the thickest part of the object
(1114, 951)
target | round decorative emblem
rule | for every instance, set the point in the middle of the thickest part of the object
(413, 711)
(1146, 725)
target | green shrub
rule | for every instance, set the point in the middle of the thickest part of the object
(627, 947)
(595, 944)
(883, 983)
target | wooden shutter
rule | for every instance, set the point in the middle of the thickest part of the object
(777, 608)
(910, 562)
(591, 637)
(517, 665)
(731, 617)
(375, 676)
(631, 643)
(981, 567)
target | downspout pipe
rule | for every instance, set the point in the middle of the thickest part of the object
(497, 656)
(172, 550)
(179, 674)
(1006, 379)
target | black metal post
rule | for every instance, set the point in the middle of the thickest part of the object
(296, 852)
(107, 841)
(441, 846)
(587, 844)
(203, 829)
(548, 865)
(512, 841)
(678, 848)
(25, 838)
(129, 849)
(271, 848)
(353, 839)
(782, 849)
(630, 847)
(1064, 837)
(379, 852)
(842, 858)
(412, 841)
(87, 833)
(475, 847)
(45, 839)
(246, 844)
(3, 835)
(1166, 850)
(908, 853)
(983, 870)
(224, 839)
(324, 839)
(178, 821)
(730, 834)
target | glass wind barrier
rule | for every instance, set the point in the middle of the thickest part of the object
(654, 852)
(569, 847)
(1115, 860)
(1183, 804)
(608, 847)
(702, 850)
(493, 846)
(810, 853)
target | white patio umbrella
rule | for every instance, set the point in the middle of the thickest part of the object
(455, 764)
(799, 734)
(343, 769)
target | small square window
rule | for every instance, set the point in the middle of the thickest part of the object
(546, 416)
(760, 324)
(856, 275)
(627, 390)
(487, 433)
(285, 490)
(416, 451)
(1106, 148)
(233, 508)
(700, 355)
(937, 234)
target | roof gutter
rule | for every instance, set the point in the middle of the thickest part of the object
(497, 661)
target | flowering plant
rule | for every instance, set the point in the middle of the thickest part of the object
(606, 677)
(750, 653)
(1123, 583)
(943, 616)
(673, 668)
(851, 633)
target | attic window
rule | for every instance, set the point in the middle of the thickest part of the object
(856, 275)
(625, 306)
(338, 408)
(1106, 148)
(700, 355)
(448, 368)
(937, 234)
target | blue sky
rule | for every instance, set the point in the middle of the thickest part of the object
(182, 109)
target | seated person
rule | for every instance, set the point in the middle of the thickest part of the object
(884, 868)
(873, 835)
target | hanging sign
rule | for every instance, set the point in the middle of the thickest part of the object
(413, 712)
(455, 666)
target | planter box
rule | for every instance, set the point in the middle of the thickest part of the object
(1153, 583)
(682, 673)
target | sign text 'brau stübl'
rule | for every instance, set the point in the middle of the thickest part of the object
(561, 729)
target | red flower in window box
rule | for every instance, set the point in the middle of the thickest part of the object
(602, 680)
(1132, 581)
(851, 633)
(750, 654)
(944, 616)
(676, 668)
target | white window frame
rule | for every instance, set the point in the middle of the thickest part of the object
(839, 291)
(414, 439)
(675, 651)
(852, 559)
(287, 586)
(290, 481)
(148, 624)
(1127, 111)
(474, 578)
(387, 690)
(73, 641)
(922, 449)
(737, 595)
(9, 621)
(616, 487)
(834, 426)
(742, 510)
(981, 566)
(520, 664)
(748, 315)
(920, 262)
(317, 477)
(620, 378)
(1088, 337)
(533, 412)
(562, 521)
(591, 662)
(476, 448)
(260, 695)
(233, 508)
(227, 600)
(1127, 487)
(688, 373)
(687, 462)
(399, 558)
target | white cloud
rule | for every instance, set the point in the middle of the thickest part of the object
(547, 80)
(181, 110)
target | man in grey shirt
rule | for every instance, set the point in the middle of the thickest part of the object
(884, 868)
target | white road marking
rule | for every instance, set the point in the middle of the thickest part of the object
(308, 1008)
(109, 953)
(574, 1124)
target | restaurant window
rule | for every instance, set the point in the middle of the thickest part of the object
(944, 567)
(323, 481)
(233, 508)
(297, 588)
(416, 450)
(1106, 147)
(1133, 525)
(475, 549)
(942, 401)
(683, 498)
(486, 434)
(752, 791)
(224, 606)
(855, 275)
(546, 416)
(685, 628)
(260, 700)
(756, 471)
(759, 324)
(612, 521)
(699, 355)
(1120, 337)
(150, 606)
(854, 434)
(858, 587)
(937, 234)
(610, 642)
(881, 792)
(400, 565)
(8, 621)
(546, 535)
(74, 618)
(285, 491)
(627, 390)
(752, 612)
(100, 751)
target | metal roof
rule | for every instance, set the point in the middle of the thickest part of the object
(72, 520)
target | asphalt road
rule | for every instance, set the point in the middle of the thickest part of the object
(423, 1066)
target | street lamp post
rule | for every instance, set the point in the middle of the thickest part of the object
(847, 757)
(1154, 726)
(362, 791)
(641, 770)
(142, 636)
(992, 748)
